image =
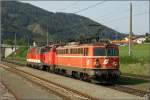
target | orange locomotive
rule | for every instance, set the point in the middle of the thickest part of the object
(34, 57)
(85, 61)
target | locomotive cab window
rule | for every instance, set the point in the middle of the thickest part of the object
(112, 52)
(99, 52)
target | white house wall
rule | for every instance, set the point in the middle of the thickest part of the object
(9, 51)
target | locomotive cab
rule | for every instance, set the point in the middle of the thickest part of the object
(106, 57)
(106, 62)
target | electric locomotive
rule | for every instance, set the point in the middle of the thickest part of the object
(89, 61)
(95, 61)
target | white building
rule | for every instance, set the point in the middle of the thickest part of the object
(139, 40)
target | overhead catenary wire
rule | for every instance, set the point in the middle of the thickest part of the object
(91, 6)
(72, 4)
(125, 17)
(106, 15)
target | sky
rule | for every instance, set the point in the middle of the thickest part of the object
(114, 14)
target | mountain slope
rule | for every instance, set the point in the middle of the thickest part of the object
(29, 21)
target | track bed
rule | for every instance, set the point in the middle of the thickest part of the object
(96, 91)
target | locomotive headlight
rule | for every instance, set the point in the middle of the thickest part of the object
(97, 64)
(115, 64)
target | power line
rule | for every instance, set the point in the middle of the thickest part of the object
(126, 10)
(143, 13)
(124, 17)
(91, 6)
(105, 15)
(74, 3)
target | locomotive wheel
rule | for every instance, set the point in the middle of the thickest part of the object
(85, 77)
(81, 76)
(75, 74)
(57, 71)
(41, 67)
(63, 72)
(34, 66)
(28, 65)
(52, 69)
(44, 68)
(47, 68)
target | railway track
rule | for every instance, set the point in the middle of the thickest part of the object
(10, 94)
(141, 77)
(121, 88)
(133, 91)
(64, 92)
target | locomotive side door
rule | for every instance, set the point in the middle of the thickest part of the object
(86, 60)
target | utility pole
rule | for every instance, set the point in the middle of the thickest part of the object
(15, 32)
(130, 28)
(15, 43)
(28, 42)
(47, 35)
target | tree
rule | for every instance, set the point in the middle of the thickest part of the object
(147, 36)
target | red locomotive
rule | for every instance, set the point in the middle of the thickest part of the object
(98, 61)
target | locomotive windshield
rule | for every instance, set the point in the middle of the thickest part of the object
(110, 51)
(99, 52)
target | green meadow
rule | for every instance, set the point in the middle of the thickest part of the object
(20, 54)
(138, 63)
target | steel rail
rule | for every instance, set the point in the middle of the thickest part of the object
(130, 90)
(9, 90)
(64, 92)
(135, 76)
(125, 89)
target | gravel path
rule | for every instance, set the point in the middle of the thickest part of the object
(23, 89)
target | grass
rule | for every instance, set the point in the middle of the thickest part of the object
(129, 60)
(138, 68)
(138, 63)
(20, 54)
(140, 52)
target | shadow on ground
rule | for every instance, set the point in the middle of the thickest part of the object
(130, 81)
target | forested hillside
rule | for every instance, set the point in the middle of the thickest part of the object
(28, 21)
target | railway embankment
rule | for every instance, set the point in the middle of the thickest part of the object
(93, 90)
(23, 89)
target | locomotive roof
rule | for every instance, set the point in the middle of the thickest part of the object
(87, 45)
(75, 45)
